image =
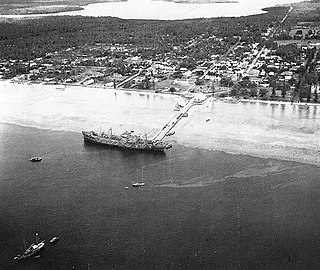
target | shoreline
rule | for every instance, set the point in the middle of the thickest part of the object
(66, 86)
(50, 8)
(73, 8)
(215, 99)
(279, 102)
(40, 10)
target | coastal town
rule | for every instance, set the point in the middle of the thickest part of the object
(132, 141)
(281, 64)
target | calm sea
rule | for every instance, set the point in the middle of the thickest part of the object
(200, 208)
(151, 9)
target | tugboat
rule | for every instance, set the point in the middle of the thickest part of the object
(35, 159)
(32, 250)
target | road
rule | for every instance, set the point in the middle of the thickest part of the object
(128, 79)
(251, 66)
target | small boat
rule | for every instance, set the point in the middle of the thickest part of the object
(35, 159)
(61, 87)
(138, 184)
(176, 109)
(54, 239)
(36, 257)
(171, 133)
(208, 120)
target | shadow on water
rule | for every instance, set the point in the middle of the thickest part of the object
(127, 152)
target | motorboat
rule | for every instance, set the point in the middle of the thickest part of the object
(54, 239)
(138, 184)
(35, 159)
(170, 133)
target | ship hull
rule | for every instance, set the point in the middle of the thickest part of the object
(32, 250)
(102, 141)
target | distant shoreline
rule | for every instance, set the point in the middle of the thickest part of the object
(26, 8)
(39, 10)
(31, 8)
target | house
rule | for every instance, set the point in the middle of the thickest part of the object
(186, 74)
(163, 68)
(88, 82)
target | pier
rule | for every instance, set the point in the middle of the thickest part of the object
(195, 100)
(127, 80)
(177, 117)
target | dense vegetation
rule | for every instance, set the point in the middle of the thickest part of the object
(31, 38)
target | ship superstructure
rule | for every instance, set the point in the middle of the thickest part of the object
(31, 250)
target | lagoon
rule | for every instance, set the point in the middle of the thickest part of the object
(165, 10)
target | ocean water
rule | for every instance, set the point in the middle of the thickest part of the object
(166, 10)
(200, 208)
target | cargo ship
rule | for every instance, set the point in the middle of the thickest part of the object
(127, 140)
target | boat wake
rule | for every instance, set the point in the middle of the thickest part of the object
(252, 171)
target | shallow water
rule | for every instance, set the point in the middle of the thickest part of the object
(288, 131)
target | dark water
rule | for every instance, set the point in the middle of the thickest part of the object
(198, 210)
